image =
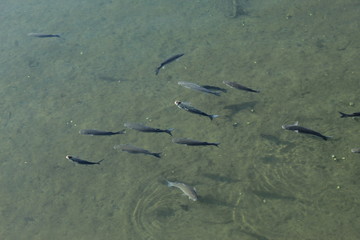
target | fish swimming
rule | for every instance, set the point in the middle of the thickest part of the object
(355, 150)
(93, 132)
(296, 128)
(191, 109)
(132, 149)
(186, 189)
(240, 87)
(143, 128)
(190, 142)
(167, 61)
(82, 162)
(345, 115)
(41, 35)
(196, 87)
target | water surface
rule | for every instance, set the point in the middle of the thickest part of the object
(261, 183)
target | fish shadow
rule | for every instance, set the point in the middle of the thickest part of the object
(275, 139)
(111, 79)
(220, 178)
(207, 199)
(236, 108)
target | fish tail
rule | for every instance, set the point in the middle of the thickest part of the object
(343, 115)
(157, 70)
(168, 131)
(168, 183)
(121, 132)
(325, 137)
(158, 155)
(213, 116)
(216, 144)
(99, 161)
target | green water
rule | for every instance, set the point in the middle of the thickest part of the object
(262, 183)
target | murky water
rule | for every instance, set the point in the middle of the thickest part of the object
(262, 182)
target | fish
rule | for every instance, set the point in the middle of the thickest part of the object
(82, 162)
(355, 150)
(191, 109)
(296, 128)
(186, 189)
(190, 142)
(143, 128)
(214, 88)
(239, 86)
(196, 87)
(167, 61)
(344, 115)
(132, 149)
(41, 35)
(93, 132)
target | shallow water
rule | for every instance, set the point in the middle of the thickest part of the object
(261, 183)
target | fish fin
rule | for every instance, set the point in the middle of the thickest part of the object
(296, 123)
(168, 183)
(326, 137)
(213, 116)
(343, 115)
(168, 131)
(297, 131)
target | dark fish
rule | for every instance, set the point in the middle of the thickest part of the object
(132, 149)
(143, 128)
(41, 35)
(186, 189)
(189, 108)
(296, 128)
(240, 87)
(196, 87)
(190, 142)
(99, 133)
(344, 115)
(167, 61)
(214, 88)
(82, 162)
